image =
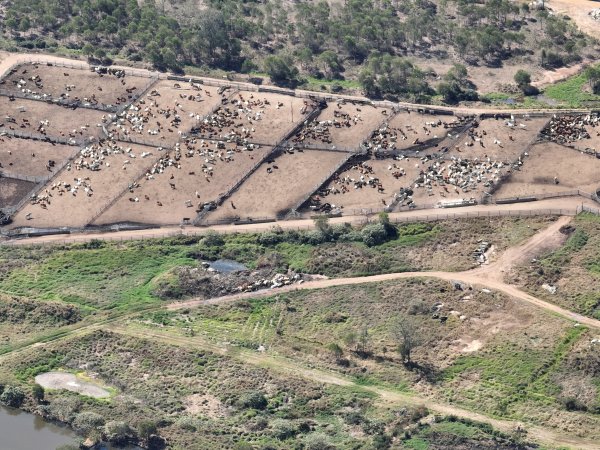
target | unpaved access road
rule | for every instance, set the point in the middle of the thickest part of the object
(558, 206)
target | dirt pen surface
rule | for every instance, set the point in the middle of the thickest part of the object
(252, 117)
(409, 129)
(195, 182)
(573, 170)
(53, 121)
(12, 191)
(170, 109)
(392, 175)
(498, 139)
(279, 185)
(71, 382)
(341, 125)
(31, 157)
(78, 193)
(52, 83)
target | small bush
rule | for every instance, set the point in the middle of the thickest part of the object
(283, 429)
(12, 396)
(374, 234)
(253, 400)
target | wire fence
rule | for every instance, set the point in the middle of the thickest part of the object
(82, 236)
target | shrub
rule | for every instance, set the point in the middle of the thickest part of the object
(317, 441)
(374, 234)
(118, 432)
(283, 429)
(12, 396)
(213, 239)
(87, 421)
(253, 400)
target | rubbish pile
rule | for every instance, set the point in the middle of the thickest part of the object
(595, 14)
(205, 281)
(480, 252)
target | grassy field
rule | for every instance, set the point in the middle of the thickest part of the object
(198, 399)
(574, 269)
(479, 350)
(572, 92)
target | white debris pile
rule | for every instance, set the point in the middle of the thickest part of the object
(595, 14)
(277, 281)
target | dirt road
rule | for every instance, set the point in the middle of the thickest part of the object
(556, 206)
(490, 277)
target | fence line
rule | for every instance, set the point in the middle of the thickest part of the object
(79, 236)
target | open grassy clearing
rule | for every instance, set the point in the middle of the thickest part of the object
(480, 350)
(198, 399)
(102, 275)
(573, 269)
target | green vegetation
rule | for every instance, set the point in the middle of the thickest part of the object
(575, 91)
(573, 268)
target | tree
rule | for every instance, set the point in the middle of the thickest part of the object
(335, 350)
(522, 78)
(281, 69)
(407, 334)
(146, 428)
(593, 76)
(38, 393)
(12, 396)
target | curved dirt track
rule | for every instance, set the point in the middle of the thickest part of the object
(488, 276)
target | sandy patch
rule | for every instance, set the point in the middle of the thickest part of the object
(70, 382)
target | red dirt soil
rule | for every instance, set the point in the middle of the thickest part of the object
(268, 194)
(83, 84)
(16, 156)
(574, 170)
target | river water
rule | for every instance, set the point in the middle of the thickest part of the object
(23, 431)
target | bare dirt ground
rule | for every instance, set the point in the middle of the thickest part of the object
(414, 128)
(191, 184)
(266, 194)
(29, 157)
(573, 169)
(578, 10)
(78, 209)
(495, 139)
(342, 125)
(70, 382)
(41, 118)
(262, 118)
(340, 191)
(168, 110)
(73, 84)
(12, 191)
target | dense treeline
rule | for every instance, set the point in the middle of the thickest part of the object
(360, 39)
